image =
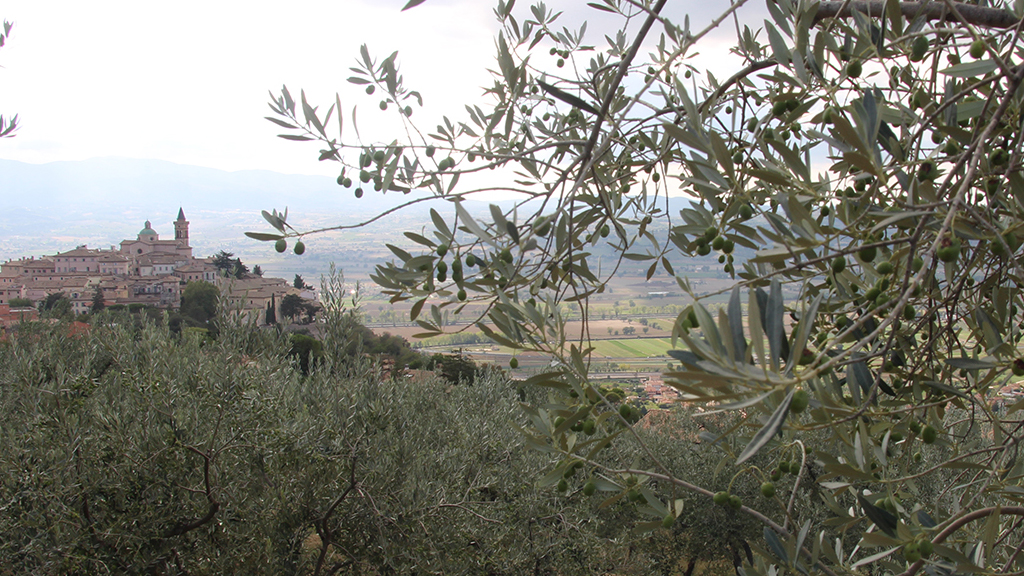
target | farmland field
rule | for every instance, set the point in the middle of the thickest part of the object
(633, 348)
(647, 355)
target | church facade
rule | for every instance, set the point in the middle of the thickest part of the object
(148, 241)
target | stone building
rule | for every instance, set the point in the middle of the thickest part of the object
(144, 270)
(148, 241)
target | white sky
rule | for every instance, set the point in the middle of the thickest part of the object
(187, 81)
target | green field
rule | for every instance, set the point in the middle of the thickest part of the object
(633, 347)
(639, 348)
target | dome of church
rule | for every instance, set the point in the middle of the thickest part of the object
(148, 230)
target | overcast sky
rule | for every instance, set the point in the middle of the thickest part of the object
(187, 81)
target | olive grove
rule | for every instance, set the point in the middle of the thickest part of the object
(132, 449)
(868, 153)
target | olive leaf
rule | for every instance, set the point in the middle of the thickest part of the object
(770, 429)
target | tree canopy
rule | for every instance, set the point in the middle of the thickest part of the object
(866, 154)
(98, 303)
(57, 305)
(230, 266)
(294, 306)
(199, 301)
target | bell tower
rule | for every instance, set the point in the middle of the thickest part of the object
(181, 228)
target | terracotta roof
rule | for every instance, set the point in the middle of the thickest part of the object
(78, 252)
(254, 293)
(29, 261)
(75, 282)
(47, 263)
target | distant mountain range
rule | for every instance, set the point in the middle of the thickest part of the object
(158, 186)
(54, 206)
(45, 208)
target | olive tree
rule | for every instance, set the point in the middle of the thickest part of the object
(865, 155)
(199, 301)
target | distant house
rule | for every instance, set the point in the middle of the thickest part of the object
(159, 263)
(28, 267)
(197, 270)
(11, 317)
(81, 259)
(9, 292)
(161, 291)
(114, 264)
(656, 391)
(255, 295)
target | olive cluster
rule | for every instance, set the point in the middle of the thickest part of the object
(712, 240)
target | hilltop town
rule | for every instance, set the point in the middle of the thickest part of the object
(145, 270)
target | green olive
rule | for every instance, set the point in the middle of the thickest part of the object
(867, 254)
(978, 48)
(919, 48)
(589, 488)
(929, 434)
(800, 400)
